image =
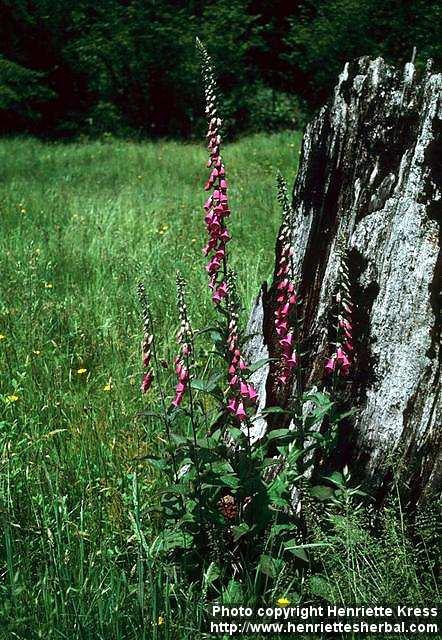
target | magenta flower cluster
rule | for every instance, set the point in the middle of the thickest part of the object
(286, 298)
(244, 393)
(216, 206)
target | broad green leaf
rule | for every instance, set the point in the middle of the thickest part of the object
(240, 530)
(296, 549)
(271, 567)
(321, 492)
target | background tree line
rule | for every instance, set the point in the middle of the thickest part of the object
(129, 67)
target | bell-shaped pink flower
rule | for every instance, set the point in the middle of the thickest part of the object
(253, 394)
(240, 412)
(330, 365)
(232, 405)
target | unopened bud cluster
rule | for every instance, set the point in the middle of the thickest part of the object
(146, 342)
(341, 359)
(185, 340)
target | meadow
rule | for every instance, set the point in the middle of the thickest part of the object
(82, 224)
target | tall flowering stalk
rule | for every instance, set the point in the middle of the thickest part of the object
(221, 280)
(185, 341)
(286, 295)
(149, 354)
(146, 343)
(243, 393)
(340, 361)
(216, 206)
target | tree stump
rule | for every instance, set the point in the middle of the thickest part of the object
(370, 171)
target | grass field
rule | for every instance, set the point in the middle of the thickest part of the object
(81, 224)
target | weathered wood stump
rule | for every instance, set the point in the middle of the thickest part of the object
(371, 171)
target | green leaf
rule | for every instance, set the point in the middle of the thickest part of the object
(336, 477)
(296, 549)
(230, 481)
(171, 540)
(240, 530)
(258, 364)
(321, 492)
(274, 410)
(270, 566)
(157, 463)
(233, 594)
(205, 385)
(283, 436)
(216, 337)
(213, 573)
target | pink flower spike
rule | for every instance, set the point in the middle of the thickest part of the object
(232, 405)
(330, 365)
(233, 381)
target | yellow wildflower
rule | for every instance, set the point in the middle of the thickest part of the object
(107, 387)
(2, 337)
(282, 602)
(36, 352)
(81, 371)
(160, 620)
(12, 398)
(48, 285)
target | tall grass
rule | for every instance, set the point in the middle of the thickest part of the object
(81, 224)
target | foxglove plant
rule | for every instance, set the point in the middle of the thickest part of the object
(340, 361)
(286, 295)
(146, 343)
(216, 206)
(185, 340)
(222, 281)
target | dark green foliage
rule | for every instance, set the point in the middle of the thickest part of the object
(129, 68)
(324, 35)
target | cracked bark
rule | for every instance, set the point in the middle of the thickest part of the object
(370, 170)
